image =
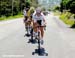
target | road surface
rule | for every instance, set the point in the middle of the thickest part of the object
(59, 40)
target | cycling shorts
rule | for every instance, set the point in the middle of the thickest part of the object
(39, 22)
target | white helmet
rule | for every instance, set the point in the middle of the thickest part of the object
(38, 10)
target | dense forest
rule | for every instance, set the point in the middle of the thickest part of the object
(13, 7)
(68, 5)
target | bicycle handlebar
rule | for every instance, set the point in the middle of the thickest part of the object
(39, 26)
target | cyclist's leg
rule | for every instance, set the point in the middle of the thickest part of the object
(42, 32)
(25, 21)
(26, 27)
(41, 28)
(41, 35)
(35, 29)
(29, 26)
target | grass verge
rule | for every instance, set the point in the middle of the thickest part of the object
(66, 17)
(10, 17)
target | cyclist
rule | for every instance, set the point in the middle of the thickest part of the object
(25, 12)
(28, 18)
(30, 13)
(38, 20)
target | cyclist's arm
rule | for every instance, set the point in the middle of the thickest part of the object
(44, 21)
(34, 18)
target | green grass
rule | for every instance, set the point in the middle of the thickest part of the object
(56, 13)
(10, 17)
(65, 17)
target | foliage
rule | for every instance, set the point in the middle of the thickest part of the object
(72, 7)
(13, 7)
(68, 5)
(43, 9)
(49, 9)
(65, 17)
(56, 8)
(11, 17)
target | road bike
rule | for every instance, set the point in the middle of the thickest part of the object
(40, 50)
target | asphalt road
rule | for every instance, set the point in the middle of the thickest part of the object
(59, 40)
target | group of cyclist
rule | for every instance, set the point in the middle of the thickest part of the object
(32, 19)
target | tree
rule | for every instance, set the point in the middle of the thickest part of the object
(72, 7)
(68, 5)
(13, 7)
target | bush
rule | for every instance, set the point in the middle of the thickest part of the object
(56, 8)
(43, 9)
(49, 9)
(65, 17)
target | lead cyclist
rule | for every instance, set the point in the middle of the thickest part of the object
(39, 20)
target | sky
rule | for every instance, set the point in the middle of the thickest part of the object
(49, 3)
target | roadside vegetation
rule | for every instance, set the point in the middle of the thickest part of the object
(10, 9)
(11, 17)
(68, 18)
(66, 12)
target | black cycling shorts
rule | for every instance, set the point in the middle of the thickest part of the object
(26, 17)
(39, 22)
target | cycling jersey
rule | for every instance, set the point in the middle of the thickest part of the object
(24, 12)
(38, 19)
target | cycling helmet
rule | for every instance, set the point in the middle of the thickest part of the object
(38, 10)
